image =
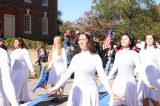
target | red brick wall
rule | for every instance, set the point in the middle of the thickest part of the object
(18, 8)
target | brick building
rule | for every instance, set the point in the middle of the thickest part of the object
(31, 19)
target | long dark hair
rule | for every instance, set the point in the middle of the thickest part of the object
(90, 44)
(131, 38)
(154, 43)
(21, 43)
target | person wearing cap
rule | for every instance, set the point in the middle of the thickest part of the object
(2, 44)
(7, 92)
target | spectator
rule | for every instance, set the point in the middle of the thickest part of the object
(97, 46)
(67, 38)
(109, 56)
(2, 45)
(42, 57)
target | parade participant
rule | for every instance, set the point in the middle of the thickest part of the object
(58, 65)
(7, 93)
(84, 65)
(124, 84)
(149, 89)
(20, 66)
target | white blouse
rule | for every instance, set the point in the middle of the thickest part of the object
(84, 65)
(20, 58)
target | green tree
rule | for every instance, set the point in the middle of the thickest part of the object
(139, 17)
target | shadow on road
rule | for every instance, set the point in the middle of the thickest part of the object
(51, 102)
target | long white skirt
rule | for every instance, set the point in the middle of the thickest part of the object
(153, 76)
(83, 96)
(20, 82)
(125, 87)
(55, 74)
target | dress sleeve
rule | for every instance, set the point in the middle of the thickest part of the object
(64, 54)
(158, 52)
(67, 74)
(6, 79)
(136, 59)
(114, 68)
(12, 58)
(102, 75)
(28, 60)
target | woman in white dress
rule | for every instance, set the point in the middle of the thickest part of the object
(124, 84)
(149, 89)
(57, 65)
(85, 64)
(20, 66)
(7, 93)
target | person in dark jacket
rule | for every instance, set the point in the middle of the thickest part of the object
(2, 45)
(109, 56)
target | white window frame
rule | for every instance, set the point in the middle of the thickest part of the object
(29, 29)
(45, 24)
(44, 2)
(28, 1)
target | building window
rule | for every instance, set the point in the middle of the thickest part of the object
(45, 24)
(44, 2)
(28, 1)
(27, 23)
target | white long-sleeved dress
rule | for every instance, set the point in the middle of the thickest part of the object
(58, 66)
(150, 65)
(7, 93)
(124, 84)
(20, 66)
(84, 89)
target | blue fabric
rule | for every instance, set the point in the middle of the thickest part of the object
(100, 87)
(37, 100)
(43, 81)
(104, 100)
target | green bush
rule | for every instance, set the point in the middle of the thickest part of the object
(31, 44)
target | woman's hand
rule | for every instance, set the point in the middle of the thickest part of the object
(48, 68)
(115, 97)
(34, 74)
(52, 90)
(151, 86)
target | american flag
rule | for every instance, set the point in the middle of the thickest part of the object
(108, 39)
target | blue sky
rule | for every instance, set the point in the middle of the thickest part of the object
(73, 9)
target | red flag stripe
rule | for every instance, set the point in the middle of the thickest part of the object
(107, 42)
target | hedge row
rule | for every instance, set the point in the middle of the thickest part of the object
(31, 44)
